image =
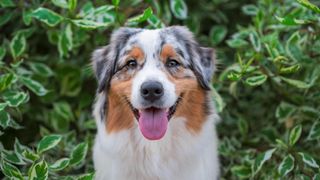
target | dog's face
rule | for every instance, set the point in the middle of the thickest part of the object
(151, 76)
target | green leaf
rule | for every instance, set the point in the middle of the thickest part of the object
(78, 154)
(179, 9)
(87, 24)
(309, 5)
(296, 83)
(27, 17)
(70, 82)
(10, 171)
(286, 165)
(293, 47)
(303, 177)
(5, 18)
(237, 43)
(314, 76)
(256, 80)
(72, 4)
(155, 22)
(255, 41)
(291, 21)
(115, 2)
(47, 16)
(241, 171)
(250, 10)
(87, 9)
(315, 131)
(316, 177)
(34, 86)
(234, 76)
(30, 155)
(24, 152)
(60, 3)
(243, 126)
(281, 144)
(7, 3)
(60, 164)
(63, 109)
(284, 111)
(219, 103)
(39, 171)
(3, 106)
(18, 147)
(12, 157)
(142, 17)
(27, 32)
(4, 119)
(6, 80)
(89, 176)
(14, 125)
(295, 134)
(14, 99)
(261, 159)
(48, 142)
(290, 69)
(41, 69)
(18, 45)
(217, 34)
(103, 10)
(307, 159)
(2, 52)
(102, 14)
(65, 41)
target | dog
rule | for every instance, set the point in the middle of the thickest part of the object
(154, 114)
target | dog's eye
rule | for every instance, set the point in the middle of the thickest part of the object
(132, 64)
(172, 63)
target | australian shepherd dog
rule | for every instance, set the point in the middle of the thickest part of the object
(154, 114)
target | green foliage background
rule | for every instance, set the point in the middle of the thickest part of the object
(267, 85)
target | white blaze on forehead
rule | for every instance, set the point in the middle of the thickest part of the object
(149, 41)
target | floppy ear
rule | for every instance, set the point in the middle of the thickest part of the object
(103, 66)
(207, 61)
(202, 60)
(104, 60)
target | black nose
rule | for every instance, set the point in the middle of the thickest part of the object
(151, 90)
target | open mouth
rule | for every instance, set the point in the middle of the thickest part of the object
(153, 121)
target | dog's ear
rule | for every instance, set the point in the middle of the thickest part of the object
(207, 62)
(103, 65)
(202, 60)
(104, 60)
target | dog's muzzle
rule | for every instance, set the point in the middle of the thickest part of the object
(153, 118)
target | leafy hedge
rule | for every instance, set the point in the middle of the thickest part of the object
(267, 84)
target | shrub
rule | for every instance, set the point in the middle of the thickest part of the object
(267, 86)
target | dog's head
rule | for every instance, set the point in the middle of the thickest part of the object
(150, 76)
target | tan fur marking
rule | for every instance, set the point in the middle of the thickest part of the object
(192, 104)
(136, 53)
(119, 115)
(167, 52)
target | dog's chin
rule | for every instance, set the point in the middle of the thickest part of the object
(153, 121)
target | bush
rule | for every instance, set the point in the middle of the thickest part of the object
(267, 87)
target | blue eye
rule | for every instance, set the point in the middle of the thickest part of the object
(132, 64)
(171, 63)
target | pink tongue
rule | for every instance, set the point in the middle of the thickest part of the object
(153, 123)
